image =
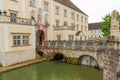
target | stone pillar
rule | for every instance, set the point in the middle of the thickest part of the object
(111, 62)
(64, 44)
(84, 45)
(48, 43)
(73, 45)
(95, 45)
(56, 44)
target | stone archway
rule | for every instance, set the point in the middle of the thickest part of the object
(59, 57)
(40, 37)
(88, 61)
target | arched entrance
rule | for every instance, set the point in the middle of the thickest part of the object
(40, 37)
(59, 57)
(88, 61)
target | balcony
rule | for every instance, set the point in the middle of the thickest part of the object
(64, 27)
(15, 20)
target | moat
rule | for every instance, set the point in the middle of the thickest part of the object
(53, 71)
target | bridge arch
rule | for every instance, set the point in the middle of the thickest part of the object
(59, 57)
(89, 61)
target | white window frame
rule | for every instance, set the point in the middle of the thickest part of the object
(71, 37)
(25, 40)
(46, 5)
(20, 41)
(16, 39)
(58, 37)
(57, 23)
(65, 13)
(13, 17)
(57, 10)
(32, 3)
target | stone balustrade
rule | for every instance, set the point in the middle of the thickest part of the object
(91, 45)
(15, 20)
(64, 28)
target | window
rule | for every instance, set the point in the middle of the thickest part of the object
(85, 20)
(57, 23)
(81, 27)
(16, 40)
(25, 40)
(85, 28)
(19, 40)
(58, 37)
(57, 10)
(45, 6)
(13, 17)
(77, 17)
(71, 37)
(65, 13)
(32, 3)
(81, 18)
(77, 27)
(72, 24)
(65, 23)
(15, 0)
(72, 15)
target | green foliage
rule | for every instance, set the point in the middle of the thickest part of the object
(75, 60)
(106, 24)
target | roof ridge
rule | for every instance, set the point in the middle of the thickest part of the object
(70, 4)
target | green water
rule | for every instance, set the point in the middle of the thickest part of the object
(53, 71)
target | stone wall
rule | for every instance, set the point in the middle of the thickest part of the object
(10, 58)
(111, 64)
(98, 56)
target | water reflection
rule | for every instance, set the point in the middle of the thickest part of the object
(53, 71)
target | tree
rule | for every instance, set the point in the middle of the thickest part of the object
(106, 24)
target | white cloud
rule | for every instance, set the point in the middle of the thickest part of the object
(96, 9)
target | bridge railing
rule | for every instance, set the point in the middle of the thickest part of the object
(99, 45)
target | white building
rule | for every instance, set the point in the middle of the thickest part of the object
(94, 31)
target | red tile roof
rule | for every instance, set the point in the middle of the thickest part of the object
(94, 26)
(69, 4)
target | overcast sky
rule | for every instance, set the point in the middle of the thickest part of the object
(96, 9)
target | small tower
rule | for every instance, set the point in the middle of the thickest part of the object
(114, 23)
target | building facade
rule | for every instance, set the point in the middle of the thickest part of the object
(27, 23)
(17, 32)
(59, 20)
(94, 31)
(69, 22)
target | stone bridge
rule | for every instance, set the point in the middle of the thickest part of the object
(102, 54)
(77, 49)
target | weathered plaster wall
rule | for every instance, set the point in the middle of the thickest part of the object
(10, 58)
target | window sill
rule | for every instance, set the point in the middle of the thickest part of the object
(57, 14)
(21, 45)
(14, 0)
(46, 10)
(32, 6)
